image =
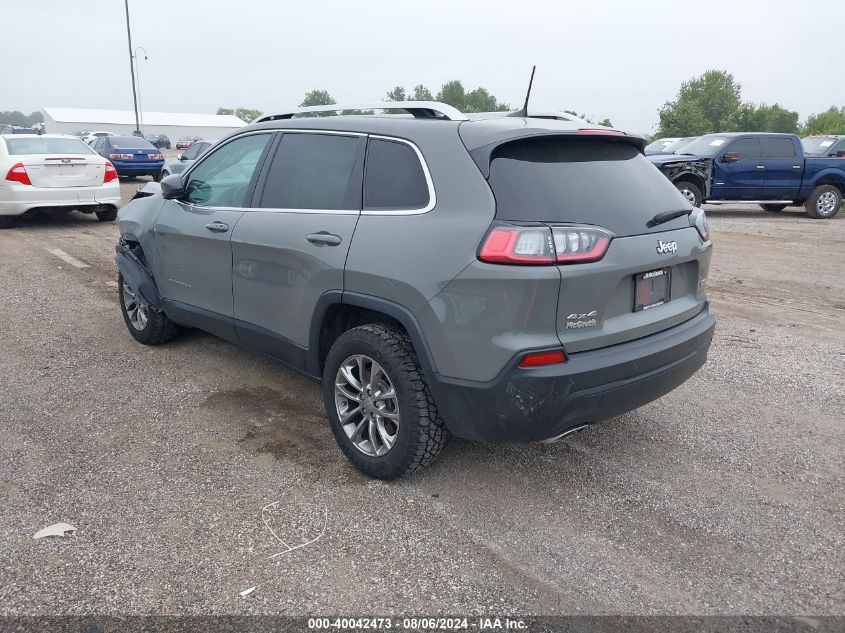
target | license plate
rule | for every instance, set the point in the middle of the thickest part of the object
(651, 289)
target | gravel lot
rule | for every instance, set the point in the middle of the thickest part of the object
(726, 496)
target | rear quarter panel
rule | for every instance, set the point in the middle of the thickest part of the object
(818, 171)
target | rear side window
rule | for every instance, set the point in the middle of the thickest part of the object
(746, 148)
(394, 178)
(583, 181)
(777, 148)
(17, 146)
(314, 171)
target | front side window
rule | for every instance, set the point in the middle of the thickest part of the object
(777, 148)
(746, 148)
(314, 171)
(192, 152)
(394, 178)
(222, 179)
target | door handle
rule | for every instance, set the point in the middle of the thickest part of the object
(217, 227)
(324, 239)
(761, 166)
(796, 167)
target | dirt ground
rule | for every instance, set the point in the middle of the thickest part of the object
(183, 467)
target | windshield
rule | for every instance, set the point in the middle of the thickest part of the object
(659, 145)
(818, 145)
(673, 147)
(18, 146)
(130, 142)
(705, 145)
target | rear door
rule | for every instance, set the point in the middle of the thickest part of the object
(291, 246)
(784, 167)
(742, 179)
(573, 184)
(192, 235)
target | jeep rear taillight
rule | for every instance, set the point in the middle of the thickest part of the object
(544, 245)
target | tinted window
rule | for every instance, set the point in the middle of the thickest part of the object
(194, 150)
(130, 142)
(746, 148)
(777, 148)
(221, 180)
(47, 146)
(313, 171)
(394, 177)
(589, 181)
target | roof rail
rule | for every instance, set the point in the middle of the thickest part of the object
(419, 110)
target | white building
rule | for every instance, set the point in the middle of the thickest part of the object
(122, 122)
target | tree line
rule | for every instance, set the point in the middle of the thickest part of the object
(713, 102)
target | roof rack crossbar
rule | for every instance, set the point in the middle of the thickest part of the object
(419, 110)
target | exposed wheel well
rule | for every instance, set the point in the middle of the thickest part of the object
(342, 317)
(692, 178)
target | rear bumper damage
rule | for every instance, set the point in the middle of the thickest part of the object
(541, 403)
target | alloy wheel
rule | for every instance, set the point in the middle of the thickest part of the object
(367, 405)
(827, 203)
(138, 314)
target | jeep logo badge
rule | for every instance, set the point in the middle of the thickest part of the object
(666, 247)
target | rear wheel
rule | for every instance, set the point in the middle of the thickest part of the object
(108, 215)
(690, 191)
(773, 207)
(146, 325)
(380, 410)
(824, 202)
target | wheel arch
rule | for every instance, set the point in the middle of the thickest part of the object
(338, 312)
(691, 177)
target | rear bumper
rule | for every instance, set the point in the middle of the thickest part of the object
(18, 199)
(147, 168)
(534, 404)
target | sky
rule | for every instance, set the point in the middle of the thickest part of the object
(620, 59)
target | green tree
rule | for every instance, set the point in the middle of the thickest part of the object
(421, 93)
(831, 121)
(453, 93)
(606, 122)
(14, 117)
(317, 98)
(703, 104)
(244, 114)
(397, 94)
(477, 100)
(762, 118)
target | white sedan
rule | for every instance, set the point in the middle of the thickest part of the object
(51, 171)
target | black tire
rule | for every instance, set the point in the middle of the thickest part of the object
(420, 434)
(107, 216)
(158, 328)
(8, 221)
(157, 177)
(690, 191)
(773, 207)
(824, 202)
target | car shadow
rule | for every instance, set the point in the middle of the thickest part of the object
(53, 219)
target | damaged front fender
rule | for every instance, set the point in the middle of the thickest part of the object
(132, 266)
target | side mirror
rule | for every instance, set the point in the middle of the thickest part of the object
(172, 187)
(730, 157)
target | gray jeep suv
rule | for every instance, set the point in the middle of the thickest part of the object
(501, 278)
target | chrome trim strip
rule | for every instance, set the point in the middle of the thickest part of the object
(432, 195)
(718, 202)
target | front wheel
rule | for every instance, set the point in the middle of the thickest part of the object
(145, 324)
(380, 409)
(690, 191)
(824, 202)
(773, 207)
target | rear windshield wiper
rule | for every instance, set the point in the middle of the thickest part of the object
(666, 216)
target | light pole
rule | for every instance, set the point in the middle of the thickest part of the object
(132, 69)
(138, 79)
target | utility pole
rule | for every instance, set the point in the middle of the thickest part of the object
(132, 70)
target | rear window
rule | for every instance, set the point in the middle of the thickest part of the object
(585, 181)
(394, 178)
(130, 142)
(18, 146)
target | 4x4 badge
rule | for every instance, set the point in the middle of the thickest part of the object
(666, 247)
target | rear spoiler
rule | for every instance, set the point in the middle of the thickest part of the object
(481, 155)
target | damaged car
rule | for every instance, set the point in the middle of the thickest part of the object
(440, 275)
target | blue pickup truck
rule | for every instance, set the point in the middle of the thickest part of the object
(768, 169)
